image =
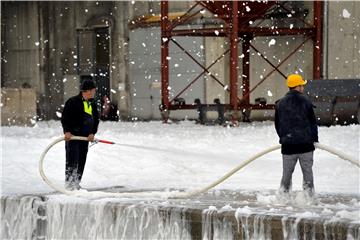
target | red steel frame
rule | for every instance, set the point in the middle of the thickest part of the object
(236, 31)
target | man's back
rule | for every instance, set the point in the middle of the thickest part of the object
(295, 120)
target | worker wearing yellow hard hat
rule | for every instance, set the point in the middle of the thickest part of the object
(294, 80)
(295, 124)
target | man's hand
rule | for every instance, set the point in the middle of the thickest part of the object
(67, 136)
(91, 137)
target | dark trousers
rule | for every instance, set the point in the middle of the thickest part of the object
(306, 163)
(76, 152)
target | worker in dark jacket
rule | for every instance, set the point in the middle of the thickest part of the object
(80, 118)
(296, 126)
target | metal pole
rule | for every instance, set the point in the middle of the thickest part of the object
(234, 57)
(164, 61)
(246, 70)
(325, 26)
(318, 40)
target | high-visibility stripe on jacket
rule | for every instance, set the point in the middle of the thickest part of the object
(87, 107)
(74, 118)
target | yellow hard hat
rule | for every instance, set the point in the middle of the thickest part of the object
(294, 80)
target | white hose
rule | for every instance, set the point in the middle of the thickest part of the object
(85, 193)
(249, 160)
(337, 153)
(186, 194)
(229, 174)
(41, 167)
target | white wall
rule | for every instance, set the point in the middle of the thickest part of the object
(344, 40)
(145, 73)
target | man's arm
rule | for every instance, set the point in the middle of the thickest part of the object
(66, 120)
(65, 117)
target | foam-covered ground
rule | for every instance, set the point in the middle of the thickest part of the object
(183, 155)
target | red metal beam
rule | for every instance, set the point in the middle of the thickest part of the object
(234, 56)
(205, 70)
(223, 9)
(257, 10)
(289, 11)
(227, 106)
(256, 31)
(234, 27)
(317, 40)
(220, 8)
(246, 70)
(184, 17)
(267, 60)
(164, 59)
(202, 32)
(259, 31)
(187, 86)
(283, 61)
(260, 106)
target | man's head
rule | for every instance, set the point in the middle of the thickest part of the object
(88, 89)
(296, 82)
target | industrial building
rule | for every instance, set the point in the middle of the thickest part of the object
(155, 59)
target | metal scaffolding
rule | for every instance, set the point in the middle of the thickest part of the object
(238, 30)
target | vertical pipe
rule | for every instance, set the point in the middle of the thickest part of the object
(318, 40)
(164, 60)
(234, 57)
(246, 69)
(325, 40)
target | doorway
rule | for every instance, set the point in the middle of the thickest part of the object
(93, 58)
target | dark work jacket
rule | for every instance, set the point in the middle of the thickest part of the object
(295, 123)
(76, 121)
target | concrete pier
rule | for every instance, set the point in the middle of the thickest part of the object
(215, 215)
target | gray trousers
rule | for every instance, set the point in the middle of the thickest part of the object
(306, 163)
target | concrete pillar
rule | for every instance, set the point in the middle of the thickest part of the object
(344, 40)
(20, 50)
(119, 60)
(21, 45)
(215, 47)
